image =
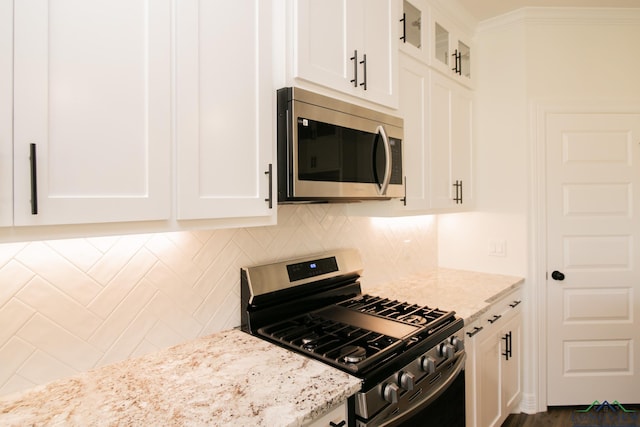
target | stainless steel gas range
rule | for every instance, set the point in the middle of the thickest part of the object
(410, 357)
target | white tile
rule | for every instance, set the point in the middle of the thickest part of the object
(145, 347)
(123, 315)
(13, 276)
(9, 250)
(66, 312)
(117, 257)
(16, 384)
(181, 264)
(58, 343)
(78, 251)
(162, 336)
(59, 272)
(41, 368)
(123, 283)
(213, 246)
(12, 355)
(13, 316)
(128, 341)
(216, 270)
(163, 308)
(172, 285)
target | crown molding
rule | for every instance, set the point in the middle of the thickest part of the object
(563, 16)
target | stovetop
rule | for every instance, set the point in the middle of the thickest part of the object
(315, 306)
(361, 332)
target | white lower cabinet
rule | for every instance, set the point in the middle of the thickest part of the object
(337, 417)
(494, 366)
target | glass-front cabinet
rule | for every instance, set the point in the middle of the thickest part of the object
(414, 29)
(451, 50)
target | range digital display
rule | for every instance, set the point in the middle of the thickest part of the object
(304, 270)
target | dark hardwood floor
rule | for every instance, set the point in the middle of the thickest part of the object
(566, 416)
(558, 416)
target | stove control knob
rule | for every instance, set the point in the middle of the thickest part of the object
(447, 350)
(390, 393)
(428, 364)
(457, 343)
(406, 380)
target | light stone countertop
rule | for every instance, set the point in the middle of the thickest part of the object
(232, 378)
(468, 293)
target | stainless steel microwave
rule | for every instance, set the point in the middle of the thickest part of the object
(330, 150)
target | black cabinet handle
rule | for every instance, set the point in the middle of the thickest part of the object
(457, 60)
(404, 199)
(476, 329)
(34, 179)
(507, 346)
(515, 303)
(404, 28)
(557, 275)
(269, 174)
(340, 424)
(458, 198)
(364, 63)
(495, 317)
(354, 58)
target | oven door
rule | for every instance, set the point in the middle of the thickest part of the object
(437, 401)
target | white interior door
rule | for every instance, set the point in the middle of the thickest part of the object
(593, 226)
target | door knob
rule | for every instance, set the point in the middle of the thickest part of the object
(556, 275)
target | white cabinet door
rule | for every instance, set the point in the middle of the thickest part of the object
(451, 145)
(511, 366)
(6, 113)
(224, 109)
(349, 46)
(414, 108)
(92, 90)
(488, 379)
(321, 53)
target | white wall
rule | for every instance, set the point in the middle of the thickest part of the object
(524, 59)
(71, 305)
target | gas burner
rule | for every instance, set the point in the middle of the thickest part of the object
(415, 319)
(354, 354)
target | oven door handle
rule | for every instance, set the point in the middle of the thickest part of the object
(382, 187)
(430, 397)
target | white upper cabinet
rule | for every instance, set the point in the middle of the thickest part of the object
(414, 29)
(92, 116)
(224, 109)
(451, 50)
(348, 45)
(92, 112)
(451, 145)
(414, 108)
(6, 113)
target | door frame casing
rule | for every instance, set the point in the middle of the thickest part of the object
(537, 224)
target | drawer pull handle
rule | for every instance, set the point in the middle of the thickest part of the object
(515, 303)
(476, 329)
(495, 317)
(340, 424)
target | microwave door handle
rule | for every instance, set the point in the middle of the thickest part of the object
(382, 189)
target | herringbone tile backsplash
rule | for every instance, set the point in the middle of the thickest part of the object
(67, 306)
